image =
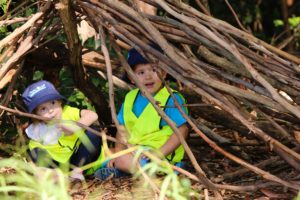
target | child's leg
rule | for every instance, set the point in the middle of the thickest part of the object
(42, 158)
(83, 156)
(126, 163)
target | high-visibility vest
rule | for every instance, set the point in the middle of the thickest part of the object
(145, 130)
(64, 149)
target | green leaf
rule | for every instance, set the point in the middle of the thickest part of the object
(294, 21)
(96, 81)
(278, 22)
(3, 5)
(38, 75)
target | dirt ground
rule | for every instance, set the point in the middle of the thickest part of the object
(214, 165)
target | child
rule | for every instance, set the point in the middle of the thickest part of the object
(142, 122)
(60, 142)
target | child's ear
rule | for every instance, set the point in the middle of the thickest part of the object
(163, 74)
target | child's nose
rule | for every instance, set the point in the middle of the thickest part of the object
(148, 74)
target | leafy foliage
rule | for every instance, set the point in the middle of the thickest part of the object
(172, 186)
(27, 181)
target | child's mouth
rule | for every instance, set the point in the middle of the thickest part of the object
(149, 85)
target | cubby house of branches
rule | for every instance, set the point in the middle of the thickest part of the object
(238, 81)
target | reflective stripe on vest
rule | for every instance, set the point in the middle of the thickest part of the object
(146, 129)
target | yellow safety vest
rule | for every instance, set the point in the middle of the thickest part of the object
(146, 129)
(66, 146)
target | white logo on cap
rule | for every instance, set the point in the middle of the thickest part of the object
(36, 90)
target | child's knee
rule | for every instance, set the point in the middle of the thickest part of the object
(124, 163)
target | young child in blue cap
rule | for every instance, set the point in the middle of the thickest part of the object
(62, 141)
(144, 125)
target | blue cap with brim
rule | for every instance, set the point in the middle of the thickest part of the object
(134, 57)
(38, 93)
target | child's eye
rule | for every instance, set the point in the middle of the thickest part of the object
(53, 102)
(42, 110)
(140, 73)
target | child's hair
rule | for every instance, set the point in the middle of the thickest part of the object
(38, 93)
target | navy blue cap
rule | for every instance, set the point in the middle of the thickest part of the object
(38, 93)
(134, 57)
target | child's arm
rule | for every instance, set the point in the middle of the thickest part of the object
(121, 136)
(87, 118)
(173, 142)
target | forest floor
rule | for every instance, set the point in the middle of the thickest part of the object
(217, 168)
(214, 165)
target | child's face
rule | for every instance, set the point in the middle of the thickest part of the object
(51, 109)
(147, 74)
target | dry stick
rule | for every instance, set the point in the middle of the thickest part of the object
(235, 16)
(110, 82)
(26, 44)
(264, 62)
(171, 54)
(218, 24)
(134, 25)
(225, 153)
(236, 53)
(37, 117)
(222, 86)
(263, 135)
(13, 21)
(240, 172)
(9, 91)
(250, 126)
(222, 62)
(146, 177)
(214, 145)
(203, 179)
(231, 109)
(281, 153)
(34, 43)
(199, 169)
(7, 53)
(16, 8)
(267, 66)
(18, 31)
(109, 75)
(276, 69)
(191, 32)
(203, 8)
(282, 131)
(229, 187)
(111, 94)
(227, 76)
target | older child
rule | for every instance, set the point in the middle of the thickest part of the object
(62, 142)
(142, 122)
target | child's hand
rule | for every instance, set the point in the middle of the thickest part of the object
(68, 128)
(77, 173)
